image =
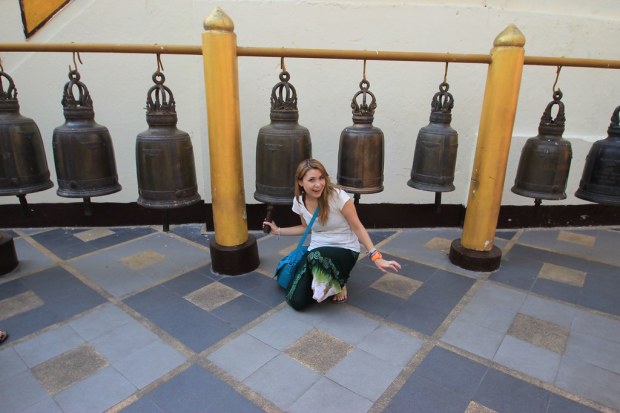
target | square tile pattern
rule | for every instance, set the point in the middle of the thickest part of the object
(133, 320)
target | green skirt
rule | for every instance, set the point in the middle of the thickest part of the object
(325, 265)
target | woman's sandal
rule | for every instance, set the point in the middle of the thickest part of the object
(3, 336)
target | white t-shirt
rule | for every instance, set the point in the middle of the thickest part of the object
(336, 232)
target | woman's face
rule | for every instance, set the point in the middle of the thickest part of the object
(313, 183)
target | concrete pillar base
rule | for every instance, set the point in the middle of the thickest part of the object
(473, 260)
(236, 260)
(8, 256)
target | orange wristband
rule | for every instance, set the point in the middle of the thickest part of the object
(376, 256)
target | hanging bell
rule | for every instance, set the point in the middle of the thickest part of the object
(280, 147)
(434, 158)
(164, 155)
(545, 159)
(600, 181)
(23, 166)
(83, 151)
(360, 154)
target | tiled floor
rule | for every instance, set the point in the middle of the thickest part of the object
(133, 320)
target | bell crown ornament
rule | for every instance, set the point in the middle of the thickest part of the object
(442, 104)
(160, 104)
(80, 107)
(548, 124)
(364, 112)
(613, 131)
(8, 97)
(284, 99)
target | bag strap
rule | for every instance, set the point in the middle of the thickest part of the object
(308, 227)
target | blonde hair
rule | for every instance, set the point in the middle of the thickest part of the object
(302, 169)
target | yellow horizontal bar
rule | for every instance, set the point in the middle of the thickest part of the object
(303, 53)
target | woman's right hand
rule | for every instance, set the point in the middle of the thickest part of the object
(272, 225)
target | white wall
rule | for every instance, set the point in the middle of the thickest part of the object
(118, 82)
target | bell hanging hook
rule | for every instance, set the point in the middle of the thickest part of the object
(364, 73)
(557, 77)
(445, 74)
(282, 65)
(160, 65)
(79, 59)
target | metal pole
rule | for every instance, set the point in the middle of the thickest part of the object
(303, 53)
(475, 250)
(233, 251)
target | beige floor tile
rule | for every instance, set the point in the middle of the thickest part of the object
(143, 260)
(439, 244)
(397, 285)
(212, 296)
(574, 238)
(539, 332)
(93, 234)
(319, 351)
(19, 304)
(563, 275)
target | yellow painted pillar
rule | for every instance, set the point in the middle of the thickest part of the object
(475, 249)
(233, 251)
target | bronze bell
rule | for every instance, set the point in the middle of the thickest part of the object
(360, 154)
(83, 151)
(545, 159)
(600, 181)
(23, 166)
(280, 147)
(164, 155)
(434, 158)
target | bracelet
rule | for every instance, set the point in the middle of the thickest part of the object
(278, 232)
(371, 252)
(376, 256)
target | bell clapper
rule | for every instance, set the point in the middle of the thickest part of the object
(356, 199)
(437, 202)
(166, 220)
(24, 204)
(88, 211)
(268, 218)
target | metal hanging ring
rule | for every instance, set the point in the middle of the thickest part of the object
(444, 86)
(159, 78)
(284, 76)
(364, 85)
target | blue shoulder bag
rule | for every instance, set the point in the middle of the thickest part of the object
(287, 265)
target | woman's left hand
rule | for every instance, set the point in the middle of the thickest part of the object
(385, 265)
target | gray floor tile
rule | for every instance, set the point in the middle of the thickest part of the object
(123, 341)
(97, 393)
(48, 345)
(280, 330)
(391, 345)
(456, 373)
(327, 397)
(594, 350)
(596, 325)
(30, 259)
(552, 311)
(12, 364)
(20, 392)
(592, 382)
(374, 301)
(468, 336)
(527, 358)
(420, 395)
(106, 269)
(558, 404)
(240, 311)
(346, 324)
(364, 374)
(506, 394)
(197, 390)
(282, 380)
(100, 321)
(417, 317)
(149, 363)
(242, 356)
(47, 405)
